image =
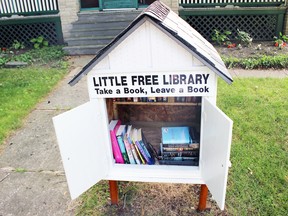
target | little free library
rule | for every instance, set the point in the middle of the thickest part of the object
(152, 114)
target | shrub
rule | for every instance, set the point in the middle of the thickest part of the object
(221, 38)
(244, 38)
(39, 42)
(277, 62)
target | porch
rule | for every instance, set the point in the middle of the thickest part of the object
(113, 4)
(22, 20)
(91, 24)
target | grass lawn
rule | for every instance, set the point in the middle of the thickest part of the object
(258, 179)
(20, 90)
(259, 175)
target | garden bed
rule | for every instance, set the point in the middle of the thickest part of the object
(256, 49)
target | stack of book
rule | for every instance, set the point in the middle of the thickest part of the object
(129, 145)
(177, 147)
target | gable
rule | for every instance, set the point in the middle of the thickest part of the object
(148, 48)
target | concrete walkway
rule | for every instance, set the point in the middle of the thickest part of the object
(32, 180)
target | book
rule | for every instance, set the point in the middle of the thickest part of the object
(133, 149)
(146, 154)
(113, 127)
(188, 147)
(181, 154)
(183, 161)
(149, 147)
(129, 150)
(142, 160)
(119, 134)
(138, 147)
(176, 135)
(167, 149)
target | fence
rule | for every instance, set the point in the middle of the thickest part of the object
(241, 3)
(263, 19)
(28, 7)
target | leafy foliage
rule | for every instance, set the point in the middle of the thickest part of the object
(39, 42)
(281, 41)
(17, 45)
(244, 38)
(52, 55)
(276, 62)
(221, 38)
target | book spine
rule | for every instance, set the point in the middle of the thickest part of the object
(150, 160)
(129, 151)
(181, 154)
(173, 149)
(142, 152)
(190, 146)
(123, 150)
(115, 148)
(139, 154)
(134, 152)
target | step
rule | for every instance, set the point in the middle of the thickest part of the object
(103, 25)
(96, 32)
(109, 15)
(82, 50)
(89, 40)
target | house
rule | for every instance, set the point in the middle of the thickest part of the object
(86, 26)
(147, 59)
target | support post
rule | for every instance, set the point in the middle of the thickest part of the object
(203, 197)
(113, 186)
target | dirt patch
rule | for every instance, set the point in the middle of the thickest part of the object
(256, 49)
(149, 199)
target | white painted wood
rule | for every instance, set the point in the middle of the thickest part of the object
(148, 48)
(158, 86)
(82, 135)
(156, 173)
(216, 135)
(43, 5)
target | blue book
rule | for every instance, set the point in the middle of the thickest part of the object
(119, 134)
(148, 157)
(176, 135)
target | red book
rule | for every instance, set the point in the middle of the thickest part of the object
(113, 127)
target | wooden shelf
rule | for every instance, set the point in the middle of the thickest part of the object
(156, 103)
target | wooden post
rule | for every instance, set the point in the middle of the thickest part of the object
(113, 186)
(203, 197)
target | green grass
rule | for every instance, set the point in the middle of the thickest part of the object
(258, 178)
(20, 90)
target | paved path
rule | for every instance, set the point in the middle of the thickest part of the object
(32, 180)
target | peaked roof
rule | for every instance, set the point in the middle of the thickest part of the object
(179, 29)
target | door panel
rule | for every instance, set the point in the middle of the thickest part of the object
(82, 137)
(215, 153)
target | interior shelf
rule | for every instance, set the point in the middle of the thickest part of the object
(156, 103)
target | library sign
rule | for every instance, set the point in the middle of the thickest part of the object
(108, 85)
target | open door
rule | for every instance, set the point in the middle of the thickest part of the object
(216, 142)
(82, 137)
